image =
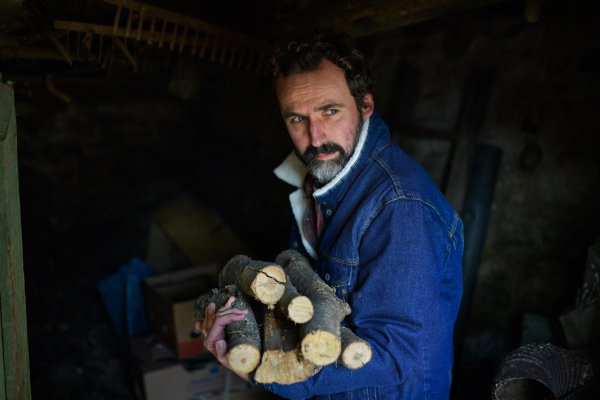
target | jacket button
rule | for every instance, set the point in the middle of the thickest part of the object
(328, 212)
(327, 277)
(295, 244)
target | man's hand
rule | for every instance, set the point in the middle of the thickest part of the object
(213, 329)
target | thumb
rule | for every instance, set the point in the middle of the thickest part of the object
(221, 349)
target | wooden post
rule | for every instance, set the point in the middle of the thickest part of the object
(182, 43)
(152, 24)
(195, 42)
(140, 22)
(117, 17)
(204, 45)
(223, 51)
(14, 353)
(233, 49)
(129, 19)
(241, 58)
(174, 37)
(250, 60)
(162, 34)
(214, 49)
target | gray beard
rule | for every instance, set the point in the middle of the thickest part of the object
(325, 170)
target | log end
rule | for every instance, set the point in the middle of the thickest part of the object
(268, 285)
(321, 347)
(284, 368)
(300, 310)
(243, 358)
(356, 355)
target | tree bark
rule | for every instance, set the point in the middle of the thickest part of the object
(320, 336)
(261, 280)
(356, 352)
(282, 361)
(296, 307)
(244, 337)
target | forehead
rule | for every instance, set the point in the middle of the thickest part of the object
(328, 82)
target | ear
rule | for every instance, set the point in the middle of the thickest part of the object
(368, 105)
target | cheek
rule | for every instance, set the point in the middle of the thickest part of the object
(345, 135)
(301, 142)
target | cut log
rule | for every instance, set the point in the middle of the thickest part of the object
(261, 280)
(320, 337)
(356, 352)
(244, 338)
(293, 305)
(282, 362)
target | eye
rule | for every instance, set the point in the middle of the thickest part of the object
(331, 111)
(297, 119)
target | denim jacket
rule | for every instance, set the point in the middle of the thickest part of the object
(393, 250)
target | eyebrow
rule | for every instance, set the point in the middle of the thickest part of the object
(322, 108)
(330, 105)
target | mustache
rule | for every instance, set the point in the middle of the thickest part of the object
(326, 148)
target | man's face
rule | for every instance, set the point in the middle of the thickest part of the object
(321, 117)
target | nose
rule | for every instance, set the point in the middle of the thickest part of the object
(317, 133)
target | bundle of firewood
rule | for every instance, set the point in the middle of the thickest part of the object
(300, 316)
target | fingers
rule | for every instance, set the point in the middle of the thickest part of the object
(225, 317)
(221, 347)
(208, 319)
(217, 331)
(228, 304)
(209, 316)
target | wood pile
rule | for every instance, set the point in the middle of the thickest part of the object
(298, 329)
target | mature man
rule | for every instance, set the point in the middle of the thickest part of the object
(378, 228)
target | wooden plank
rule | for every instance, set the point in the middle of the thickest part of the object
(15, 380)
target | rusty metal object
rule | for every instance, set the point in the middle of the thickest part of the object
(562, 371)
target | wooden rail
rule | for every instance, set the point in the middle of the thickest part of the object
(150, 24)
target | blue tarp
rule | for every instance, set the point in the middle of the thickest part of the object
(122, 296)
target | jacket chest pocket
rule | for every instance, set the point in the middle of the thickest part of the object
(338, 273)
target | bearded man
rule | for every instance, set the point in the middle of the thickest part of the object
(380, 232)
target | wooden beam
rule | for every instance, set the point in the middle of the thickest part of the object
(31, 53)
(14, 352)
(70, 80)
(362, 18)
(144, 34)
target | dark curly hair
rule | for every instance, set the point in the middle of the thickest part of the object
(305, 52)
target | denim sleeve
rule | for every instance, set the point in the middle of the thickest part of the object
(395, 298)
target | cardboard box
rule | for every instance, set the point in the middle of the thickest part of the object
(175, 380)
(169, 300)
(185, 232)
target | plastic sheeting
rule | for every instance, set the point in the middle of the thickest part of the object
(122, 296)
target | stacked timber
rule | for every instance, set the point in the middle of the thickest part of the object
(300, 316)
